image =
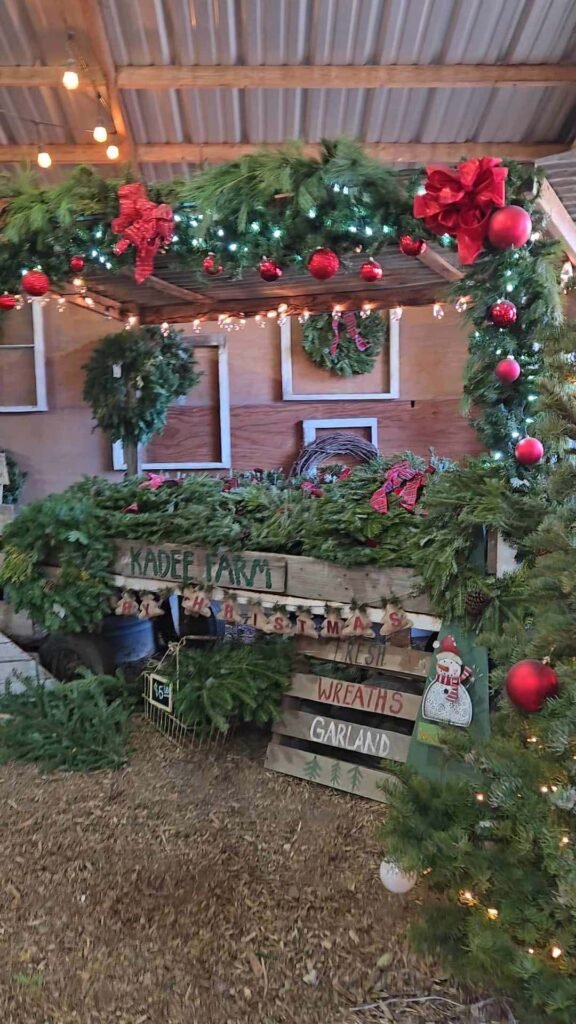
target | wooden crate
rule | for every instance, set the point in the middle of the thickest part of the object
(337, 733)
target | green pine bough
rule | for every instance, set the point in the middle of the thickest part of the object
(347, 359)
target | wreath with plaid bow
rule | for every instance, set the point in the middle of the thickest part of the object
(346, 344)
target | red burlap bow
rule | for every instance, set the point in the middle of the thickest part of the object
(460, 202)
(146, 225)
(403, 480)
(352, 332)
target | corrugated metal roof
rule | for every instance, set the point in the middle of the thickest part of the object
(229, 32)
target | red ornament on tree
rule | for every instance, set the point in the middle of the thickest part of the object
(529, 683)
(323, 264)
(211, 266)
(509, 228)
(503, 313)
(36, 283)
(529, 450)
(371, 271)
(7, 301)
(77, 264)
(508, 370)
(412, 246)
(269, 270)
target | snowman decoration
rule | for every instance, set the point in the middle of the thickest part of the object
(446, 700)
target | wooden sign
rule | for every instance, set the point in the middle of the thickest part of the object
(350, 736)
(173, 563)
(4, 475)
(160, 692)
(327, 771)
(358, 696)
(369, 655)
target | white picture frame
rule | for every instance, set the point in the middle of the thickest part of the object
(309, 427)
(38, 345)
(218, 341)
(288, 394)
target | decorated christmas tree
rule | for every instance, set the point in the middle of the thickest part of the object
(496, 848)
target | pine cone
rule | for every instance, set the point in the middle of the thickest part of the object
(475, 602)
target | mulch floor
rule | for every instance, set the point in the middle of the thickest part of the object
(195, 887)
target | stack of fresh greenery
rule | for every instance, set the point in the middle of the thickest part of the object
(13, 489)
(76, 529)
(229, 682)
(498, 899)
(77, 726)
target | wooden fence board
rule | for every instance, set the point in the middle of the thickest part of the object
(180, 563)
(350, 778)
(358, 739)
(358, 696)
(325, 581)
(382, 657)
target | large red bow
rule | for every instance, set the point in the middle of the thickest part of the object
(144, 224)
(403, 480)
(460, 202)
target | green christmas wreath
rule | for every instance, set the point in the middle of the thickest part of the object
(346, 345)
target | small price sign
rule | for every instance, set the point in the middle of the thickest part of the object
(160, 692)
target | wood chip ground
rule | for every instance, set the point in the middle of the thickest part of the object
(195, 887)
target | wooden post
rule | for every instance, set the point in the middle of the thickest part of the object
(133, 456)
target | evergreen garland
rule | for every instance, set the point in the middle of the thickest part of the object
(348, 359)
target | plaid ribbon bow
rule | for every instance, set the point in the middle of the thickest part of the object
(146, 225)
(401, 479)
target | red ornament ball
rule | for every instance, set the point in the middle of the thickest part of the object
(77, 264)
(371, 271)
(529, 683)
(508, 370)
(7, 301)
(36, 283)
(269, 270)
(323, 264)
(529, 450)
(503, 313)
(412, 246)
(509, 228)
(211, 266)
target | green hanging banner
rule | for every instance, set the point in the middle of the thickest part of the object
(456, 696)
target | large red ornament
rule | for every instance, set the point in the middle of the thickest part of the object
(529, 450)
(509, 228)
(211, 266)
(371, 271)
(460, 202)
(269, 270)
(529, 683)
(7, 301)
(508, 370)
(503, 313)
(412, 246)
(77, 264)
(323, 264)
(36, 283)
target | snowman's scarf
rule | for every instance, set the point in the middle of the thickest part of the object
(453, 685)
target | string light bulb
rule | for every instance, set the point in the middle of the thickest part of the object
(396, 313)
(480, 797)
(70, 79)
(78, 282)
(112, 152)
(461, 305)
(44, 159)
(438, 310)
(566, 273)
(555, 952)
(565, 840)
(492, 913)
(100, 133)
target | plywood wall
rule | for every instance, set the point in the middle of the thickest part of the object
(57, 447)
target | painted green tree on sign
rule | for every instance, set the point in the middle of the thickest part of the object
(355, 774)
(335, 774)
(312, 769)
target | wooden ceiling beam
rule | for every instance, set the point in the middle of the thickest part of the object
(295, 76)
(220, 152)
(96, 30)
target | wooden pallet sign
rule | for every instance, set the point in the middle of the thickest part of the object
(338, 733)
(179, 564)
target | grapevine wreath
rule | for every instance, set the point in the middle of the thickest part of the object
(346, 344)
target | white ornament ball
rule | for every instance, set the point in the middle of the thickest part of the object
(394, 879)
